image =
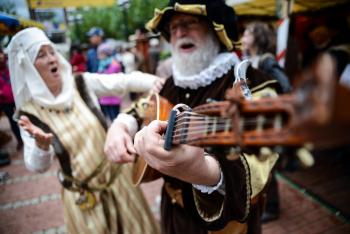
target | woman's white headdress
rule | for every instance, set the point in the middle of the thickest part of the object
(25, 79)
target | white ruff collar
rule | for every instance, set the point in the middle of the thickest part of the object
(220, 66)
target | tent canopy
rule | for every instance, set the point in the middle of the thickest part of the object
(9, 25)
(270, 8)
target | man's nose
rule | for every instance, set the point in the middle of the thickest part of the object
(179, 31)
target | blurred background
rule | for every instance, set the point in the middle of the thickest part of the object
(314, 198)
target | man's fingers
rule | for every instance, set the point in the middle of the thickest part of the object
(158, 126)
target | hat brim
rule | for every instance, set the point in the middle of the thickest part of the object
(158, 22)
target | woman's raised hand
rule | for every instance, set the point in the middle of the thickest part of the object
(42, 139)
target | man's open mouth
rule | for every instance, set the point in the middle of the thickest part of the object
(187, 46)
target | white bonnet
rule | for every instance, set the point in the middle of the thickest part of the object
(29, 40)
(25, 79)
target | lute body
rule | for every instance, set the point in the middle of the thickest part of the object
(155, 108)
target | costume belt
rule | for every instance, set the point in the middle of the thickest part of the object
(87, 199)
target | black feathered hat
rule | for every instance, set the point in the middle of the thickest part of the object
(222, 16)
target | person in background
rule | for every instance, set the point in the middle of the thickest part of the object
(128, 59)
(258, 45)
(110, 105)
(204, 190)
(154, 54)
(95, 35)
(78, 58)
(59, 116)
(5, 157)
(7, 103)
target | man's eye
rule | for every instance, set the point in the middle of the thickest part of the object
(173, 27)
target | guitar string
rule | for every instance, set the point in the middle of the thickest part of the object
(221, 125)
(208, 121)
(248, 121)
(196, 116)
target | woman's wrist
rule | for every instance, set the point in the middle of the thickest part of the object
(127, 122)
(43, 147)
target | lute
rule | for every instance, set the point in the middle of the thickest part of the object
(313, 114)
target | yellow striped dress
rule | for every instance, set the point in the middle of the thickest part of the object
(120, 207)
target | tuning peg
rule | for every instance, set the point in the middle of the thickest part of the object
(305, 157)
(211, 100)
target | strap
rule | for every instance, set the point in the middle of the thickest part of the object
(78, 185)
(84, 94)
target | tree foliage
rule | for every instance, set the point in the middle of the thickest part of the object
(115, 21)
(8, 7)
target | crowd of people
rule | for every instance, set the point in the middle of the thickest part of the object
(70, 109)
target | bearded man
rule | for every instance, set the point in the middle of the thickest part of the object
(203, 190)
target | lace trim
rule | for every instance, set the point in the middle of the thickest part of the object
(220, 186)
(220, 66)
(249, 189)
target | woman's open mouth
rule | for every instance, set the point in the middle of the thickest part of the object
(54, 69)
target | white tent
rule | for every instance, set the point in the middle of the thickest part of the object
(273, 7)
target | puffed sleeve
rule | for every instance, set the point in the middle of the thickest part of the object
(245, 177)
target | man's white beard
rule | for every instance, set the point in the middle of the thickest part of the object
(193, 63)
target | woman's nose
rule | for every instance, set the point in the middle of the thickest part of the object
(52, 58)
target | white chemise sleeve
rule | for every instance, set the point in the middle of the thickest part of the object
(35, 159)
(119, 83)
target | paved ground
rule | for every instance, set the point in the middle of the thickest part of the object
(30, 203)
